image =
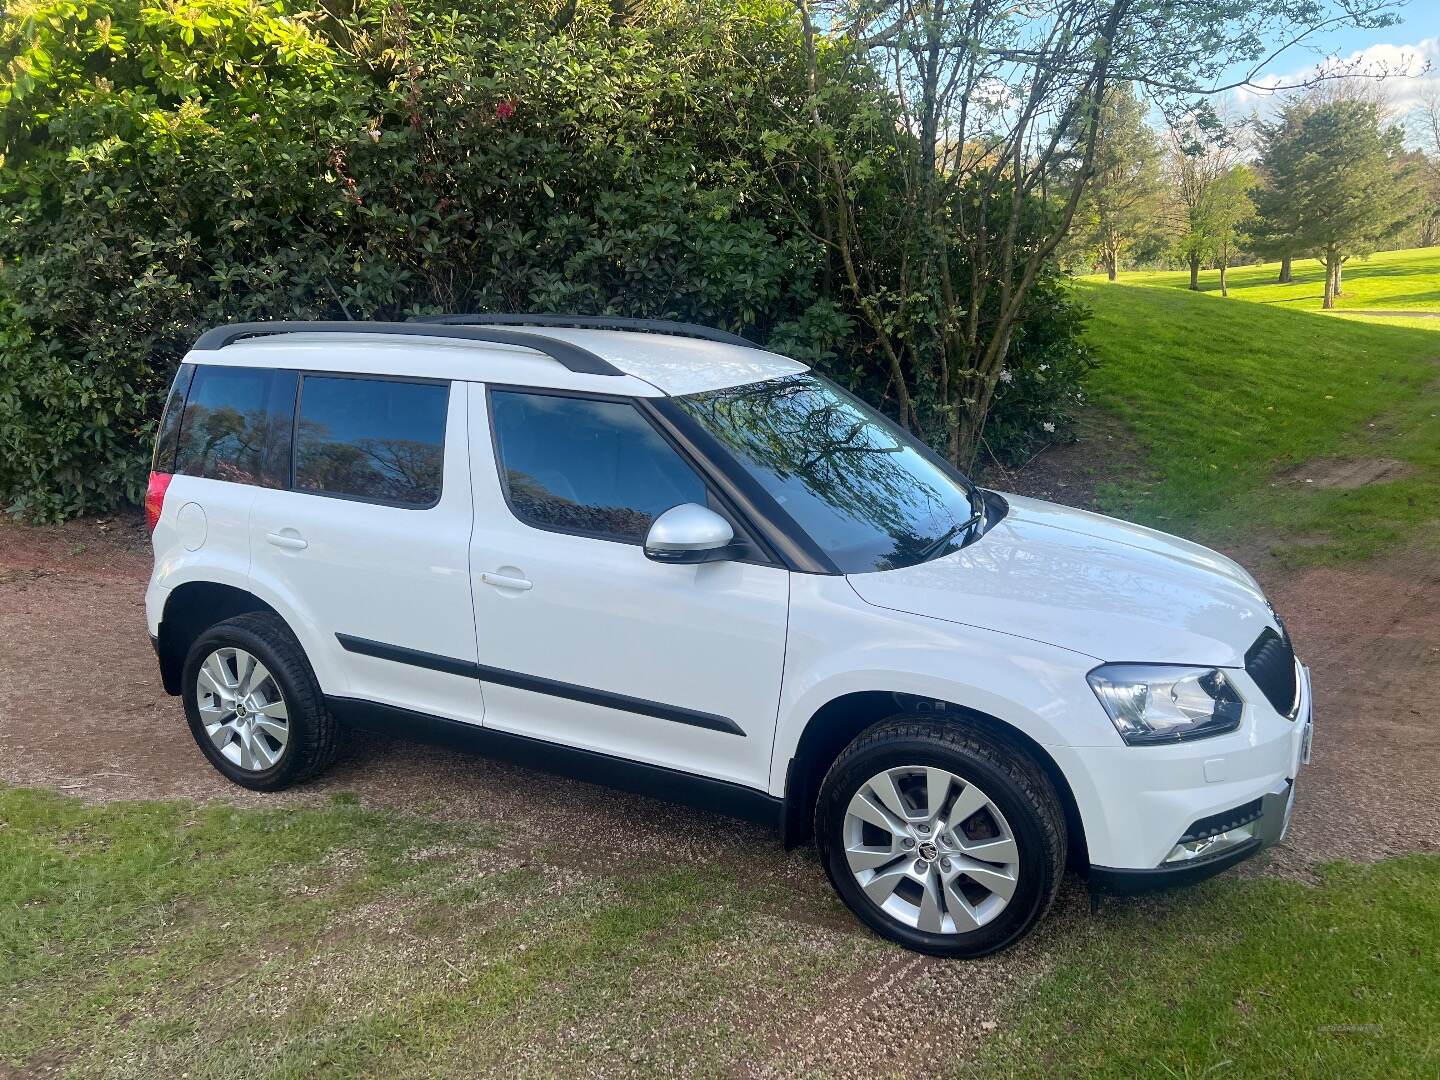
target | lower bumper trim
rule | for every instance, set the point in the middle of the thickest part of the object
(1119, 882)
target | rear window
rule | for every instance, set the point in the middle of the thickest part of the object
(236, 426)
(380, 440)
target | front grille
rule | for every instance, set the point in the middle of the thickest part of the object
(1271, 663)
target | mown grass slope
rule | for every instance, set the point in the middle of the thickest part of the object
(1229, 395)
(1400, 280)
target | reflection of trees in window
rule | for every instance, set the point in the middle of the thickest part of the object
(393, 470)
(796, 428)
(537, 504)
(227, 444)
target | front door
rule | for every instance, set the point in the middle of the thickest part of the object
(584, 641)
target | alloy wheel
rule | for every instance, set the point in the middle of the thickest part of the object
(930, 849)
(242, 709)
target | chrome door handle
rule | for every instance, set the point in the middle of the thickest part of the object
(500, 581)
(289, 538)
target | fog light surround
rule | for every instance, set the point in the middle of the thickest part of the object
(1205, 847)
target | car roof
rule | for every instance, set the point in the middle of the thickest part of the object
(653, 365)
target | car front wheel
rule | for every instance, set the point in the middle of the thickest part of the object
(941, 836)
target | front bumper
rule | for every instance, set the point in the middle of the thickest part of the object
(1197, 838)
(1229, 847)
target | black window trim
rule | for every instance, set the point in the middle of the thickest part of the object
(757, 548)
(303, 373)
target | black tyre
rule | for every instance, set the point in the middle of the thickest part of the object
(940, 836)
(254, 706)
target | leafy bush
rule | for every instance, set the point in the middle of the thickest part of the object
(169, 167)
(1041, 384)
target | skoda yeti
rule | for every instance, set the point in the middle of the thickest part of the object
(661, 557)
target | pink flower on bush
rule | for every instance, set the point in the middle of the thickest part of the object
(505, 110)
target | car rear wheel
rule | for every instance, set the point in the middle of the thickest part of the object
(253, 704)
(940, 836)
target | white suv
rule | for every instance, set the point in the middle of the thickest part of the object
(661, 557)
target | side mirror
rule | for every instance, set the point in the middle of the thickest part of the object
(689, 533)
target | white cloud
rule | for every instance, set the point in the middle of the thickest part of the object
(1409, 72)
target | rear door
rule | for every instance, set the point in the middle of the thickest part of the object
(231, 439)
(582, 639)
(367, 542)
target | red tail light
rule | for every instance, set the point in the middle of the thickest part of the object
(155, 498)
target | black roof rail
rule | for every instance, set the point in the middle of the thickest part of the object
(573, 357)
(595, 322)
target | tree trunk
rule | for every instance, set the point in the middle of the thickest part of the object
(1224, 262)
(1286, 276)
(1339, 276)
(1110, 269)
(1332, 275)
(1194, 273)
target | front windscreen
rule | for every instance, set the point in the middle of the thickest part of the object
(858, 485)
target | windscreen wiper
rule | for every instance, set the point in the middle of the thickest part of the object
(938, 545)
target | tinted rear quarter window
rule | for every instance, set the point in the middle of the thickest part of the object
(167, 438)
(380, 440)
(236, 425)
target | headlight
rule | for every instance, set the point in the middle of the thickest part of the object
(1161, 703)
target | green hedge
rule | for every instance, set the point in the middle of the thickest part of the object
(172, 167)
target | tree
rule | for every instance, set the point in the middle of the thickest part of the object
(1227, 211)
(1428, 169)
(1279, 143)
(997, 127)
(1342, 185)
(1204, 211)
(1121, 201)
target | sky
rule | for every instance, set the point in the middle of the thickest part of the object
(1412, 46)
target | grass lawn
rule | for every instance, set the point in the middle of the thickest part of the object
(1255, 978)
(161, 939)
(1228, 395)
(1402, 280)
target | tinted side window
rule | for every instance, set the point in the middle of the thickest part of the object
(377, 439)
(593, 467)
(237, 424)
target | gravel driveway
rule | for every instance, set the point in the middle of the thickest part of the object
(82, 711)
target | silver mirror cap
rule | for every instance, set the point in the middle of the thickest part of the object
(685, 531)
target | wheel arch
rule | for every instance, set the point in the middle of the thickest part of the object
(191, 609)
(837, 723)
